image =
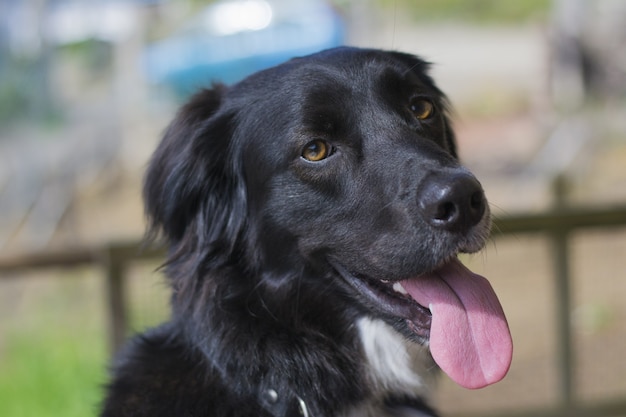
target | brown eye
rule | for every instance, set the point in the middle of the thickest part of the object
(422, 109)
(316, 150)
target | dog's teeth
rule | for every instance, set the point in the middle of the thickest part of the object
(397, 287)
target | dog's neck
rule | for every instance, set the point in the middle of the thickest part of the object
(396, 368)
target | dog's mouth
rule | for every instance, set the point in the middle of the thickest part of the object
(455, 311)
(391, 299)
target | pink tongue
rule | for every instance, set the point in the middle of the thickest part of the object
(469, 335)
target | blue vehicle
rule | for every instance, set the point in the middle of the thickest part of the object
(234, 38)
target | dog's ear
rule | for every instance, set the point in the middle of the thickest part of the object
(192, 195)
(420, 68)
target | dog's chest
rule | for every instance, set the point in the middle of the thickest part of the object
(395, 368)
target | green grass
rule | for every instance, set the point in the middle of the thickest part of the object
(53, 372)
(54, 348)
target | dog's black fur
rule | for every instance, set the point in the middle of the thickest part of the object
(267, 249)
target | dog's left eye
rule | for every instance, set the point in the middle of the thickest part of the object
(421, 108)
(317, 150)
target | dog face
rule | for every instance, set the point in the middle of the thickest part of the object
(359, 167)
(339, 168)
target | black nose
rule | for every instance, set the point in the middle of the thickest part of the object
(454, 202)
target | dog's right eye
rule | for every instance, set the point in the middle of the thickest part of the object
(317, 150)
(422, 109)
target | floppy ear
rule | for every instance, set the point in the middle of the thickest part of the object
(191, 193)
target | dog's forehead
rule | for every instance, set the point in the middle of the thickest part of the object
(339, 87)
(357, 60)
(340, 70)
(360, 71)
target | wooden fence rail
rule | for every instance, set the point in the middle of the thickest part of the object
(557, 224)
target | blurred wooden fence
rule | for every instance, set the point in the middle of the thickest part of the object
(557, 224)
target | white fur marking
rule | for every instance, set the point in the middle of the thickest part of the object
(395, 364)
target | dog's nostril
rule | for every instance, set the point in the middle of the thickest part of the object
(452, 202)
(477, 200)
(445, 211)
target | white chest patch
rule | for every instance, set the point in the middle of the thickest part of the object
(396, 366)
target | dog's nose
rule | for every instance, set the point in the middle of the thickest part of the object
(454, 202)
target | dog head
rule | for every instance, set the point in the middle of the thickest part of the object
(340, 168)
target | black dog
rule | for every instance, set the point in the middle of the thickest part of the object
(314, 212)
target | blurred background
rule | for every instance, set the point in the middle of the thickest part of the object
(87, 87)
